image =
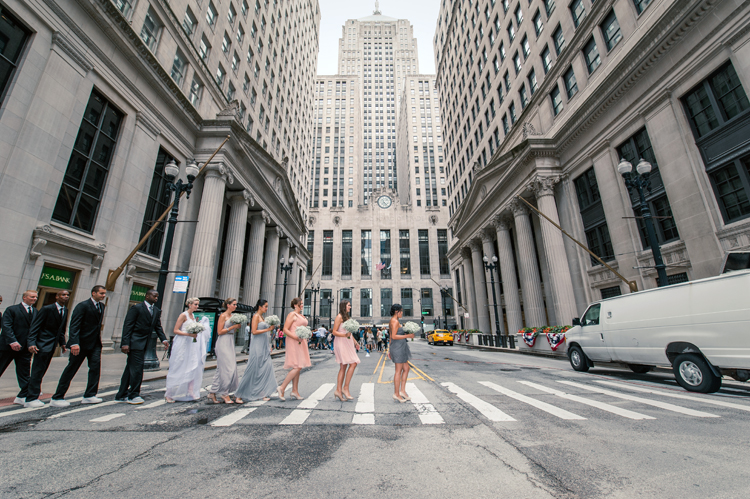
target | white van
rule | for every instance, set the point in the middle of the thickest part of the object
(700, 328)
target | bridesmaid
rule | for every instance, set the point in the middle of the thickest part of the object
(259, 381)
(225, 378)
(296, 356)
(399, 353)
(345, 350)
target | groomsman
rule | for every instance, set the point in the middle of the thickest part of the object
(140, 321)
(47, 332)
(84, 342)
(13, 341)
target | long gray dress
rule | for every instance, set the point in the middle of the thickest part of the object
(400, 353)
(225, 379)
(259, 380)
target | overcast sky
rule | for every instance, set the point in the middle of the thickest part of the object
(421, 13)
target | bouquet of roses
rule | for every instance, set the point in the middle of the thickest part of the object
(195, 328)
(351, 326)
(238, 319)
(303, 332)
(412, 328)
(272, 320)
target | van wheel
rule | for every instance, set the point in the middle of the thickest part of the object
(694, 374)
(578, 359)
(639, 368)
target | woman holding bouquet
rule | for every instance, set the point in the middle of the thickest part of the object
(296, 354)
(259, 381)
(225, 378)
(188, 357)
(345, 350)
(399, 353)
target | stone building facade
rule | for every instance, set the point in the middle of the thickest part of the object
(558, 93)
(98, 96)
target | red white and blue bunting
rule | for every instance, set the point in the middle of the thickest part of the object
(529, 338)
(555, 340)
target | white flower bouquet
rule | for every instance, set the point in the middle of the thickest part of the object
(411, 328)
(272, 320)
(195, 328)
(303, 332)
(238, 319)
(351, 326)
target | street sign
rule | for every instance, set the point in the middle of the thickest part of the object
(180, 284)
(425, 313)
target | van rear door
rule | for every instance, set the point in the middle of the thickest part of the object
(592, 335)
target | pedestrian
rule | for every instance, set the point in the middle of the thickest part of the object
(140, 321)
(279, 338)
(346, 352)
(247, 339)
(321, 336)
(380, 340)
(188, 358)
(47, 333)
(225, 378)
(14, 341)
(297, 356)
(259, 381)
(370, 341)
(399, 353)
(84, 343)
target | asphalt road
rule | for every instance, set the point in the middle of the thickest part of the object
(480, 424)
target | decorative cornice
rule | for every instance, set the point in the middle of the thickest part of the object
(476, 246)
(143, 121)
(466, 253)
(61, 43)
(242, 196)
(485, 236)
(518, 208)
(544, 186)
(44, 235)
(266, 217)
(231, 111)
(502, 222)
(279, 232)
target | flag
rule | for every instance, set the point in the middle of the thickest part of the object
(380, 266)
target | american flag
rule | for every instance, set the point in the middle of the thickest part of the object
(380, 266)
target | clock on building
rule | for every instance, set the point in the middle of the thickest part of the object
(384, 202)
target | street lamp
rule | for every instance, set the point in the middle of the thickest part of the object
(492, 267)
(640, 181)
(314, 290)
(285, 269)
(171, 170)
(443, 295)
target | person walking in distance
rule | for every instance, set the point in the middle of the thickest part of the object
(140, 321)
(345, 351)
(46, 333)
(14, 341)
(399, 353)
(85, 343)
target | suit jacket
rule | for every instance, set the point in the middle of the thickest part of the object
(138, 325)
(85, 326)
(16, 324)
(48, 329)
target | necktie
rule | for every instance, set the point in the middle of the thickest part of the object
(150, 309)
(28, 310)
(99, 307)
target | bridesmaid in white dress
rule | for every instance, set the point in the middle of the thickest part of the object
(188, 358)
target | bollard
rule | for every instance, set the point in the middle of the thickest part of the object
(492, 340)
(503, 340)
(512, 340)
(481, 343)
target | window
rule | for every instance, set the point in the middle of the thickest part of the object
(189, 22)
(220, 74)
(427, 302)
(385, 254)
(211, 15)
(366, 253)
(230, 92)
(124, 6)
(407, 302)
(226, 43)
(731, 187)
(232, 14)
(525, 47)
(158, 201)
(577, 11)
(365, 302)
(571, 87)
(86, 175)
(538, 25)
(517, 63)
(196, 90)
(549, 6)
(610, 30)
(442, 239)
(532, 81)
(559, 39)
(13, 37)
(640, 5)
(327, 263)
(592, 216)
(611, 292)
(518, 14)
(204, 49)
(151, 29)
(424, 252)
(716, 100)
(591, 55)
(235, 62)
(404, 252)
(591, 317)
(676, 278)
(511, 32)
(178, 68)
(524, 97)
(326, 301)
(386, 300)
(546, 59)
(346, 254)
(512, 112)
(310, 248)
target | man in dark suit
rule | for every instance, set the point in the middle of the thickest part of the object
(13, 341)
(46, 333)
(84, 342)
(140, 321)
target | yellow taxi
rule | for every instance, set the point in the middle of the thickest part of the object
(440, 337)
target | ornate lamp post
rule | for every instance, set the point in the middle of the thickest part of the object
(443, 295)
(285, 269)
(492, 267)
(171, 170)
(639, 182)
(314, 290)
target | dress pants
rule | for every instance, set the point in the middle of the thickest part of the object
(38, 370)
(94, 357)
(130, 383)
(22, 359)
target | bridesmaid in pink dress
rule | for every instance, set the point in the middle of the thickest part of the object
(296, 356)
(345, 349)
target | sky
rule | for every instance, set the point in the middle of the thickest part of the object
(422, 14)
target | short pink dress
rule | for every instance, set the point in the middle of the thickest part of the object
(344, 349)
(297, 355)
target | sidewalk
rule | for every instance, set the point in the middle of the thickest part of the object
(112, 368)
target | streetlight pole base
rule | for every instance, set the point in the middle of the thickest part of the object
(151, 361)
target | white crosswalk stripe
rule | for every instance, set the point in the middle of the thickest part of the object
(304, 409)
(239, 414)
(152, 404)
(108, 417)
(365, 405)
(46, 406)
(487, 410)
(84, 408)
(427, 412)
(662, 405)
(682, 396)
(555, 411)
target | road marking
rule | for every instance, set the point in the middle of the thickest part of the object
(488, 410)
(632, 398)
(593, 403)
(363, 419)
(153, 404)
(420, 371)
(85, 408)
(300, 415)
(555, 411)
(382, 356)
(47, 406)
(108, 417)
(366, 400)
(427, 412)
(720, 403)
(232, 418)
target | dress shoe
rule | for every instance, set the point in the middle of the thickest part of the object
(136, 401)
(121, 400)
(59, 403)
(34, 404)
(19, 401)
(91, 400)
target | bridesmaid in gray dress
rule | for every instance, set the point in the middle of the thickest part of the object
(225, 379)
(259, 381)
(399, 353)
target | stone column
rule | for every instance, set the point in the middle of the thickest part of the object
(254, 263)
(488, 249)
(469, 301)
(480, 289)
(230, 275)
(279, 290)
(554, 249)
(270, 265)
(531, 283)
(508, 273)
(208, 231)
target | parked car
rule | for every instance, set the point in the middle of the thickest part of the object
(440, 336)
(699, 328)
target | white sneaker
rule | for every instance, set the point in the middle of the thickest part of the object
(59, 403)
(19, 401)
(136, 401)
(33, 404)
(91, 400)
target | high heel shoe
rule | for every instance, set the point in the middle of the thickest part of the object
(405, 396)
(227, 400)
(338, 396)
(398, 399)
(348, 397)
(296, 397)
(281, 395)
(212, 399)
